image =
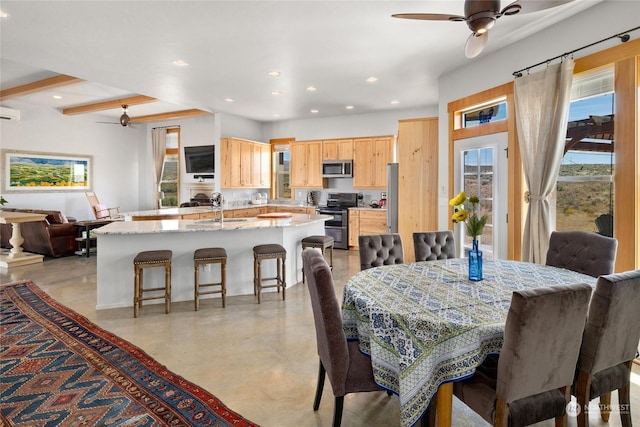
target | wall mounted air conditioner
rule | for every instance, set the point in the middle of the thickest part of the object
(9, 114)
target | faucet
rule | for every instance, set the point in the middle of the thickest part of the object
(216, 201)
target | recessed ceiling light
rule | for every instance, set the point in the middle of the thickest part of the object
(274, 73)
(275, 115)
(3, 14)
(349, 107)
(180, 63)
(395, 102)
(229, 99)
(311, 88)
(276, 92)
(372, 79)
(315, 111)
(57, 97)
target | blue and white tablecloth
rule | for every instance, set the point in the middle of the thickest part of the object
(425, 323)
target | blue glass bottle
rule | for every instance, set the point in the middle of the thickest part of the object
(475, 263)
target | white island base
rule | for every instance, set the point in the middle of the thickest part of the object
(119, 242)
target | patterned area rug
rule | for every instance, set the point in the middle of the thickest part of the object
(58, 368)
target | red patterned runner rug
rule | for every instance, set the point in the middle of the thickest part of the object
(57, 368)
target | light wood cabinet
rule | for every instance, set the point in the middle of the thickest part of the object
(354, 227)
(244, 163)
(363, 222)
(337, 149)
(417, 179)
(370, 158)
(305, 165)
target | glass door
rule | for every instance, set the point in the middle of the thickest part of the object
(481, 170)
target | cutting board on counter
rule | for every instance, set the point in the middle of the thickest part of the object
(275, 215)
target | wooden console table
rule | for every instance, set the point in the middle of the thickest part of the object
(16, 256)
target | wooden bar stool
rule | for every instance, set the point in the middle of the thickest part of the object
(319, 242)
(206, 256)
(150, 259)
(269, 251)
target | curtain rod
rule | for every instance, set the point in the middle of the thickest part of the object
(624, 37)
(166, 127)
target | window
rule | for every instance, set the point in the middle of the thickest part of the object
(478, 180)
(485, 114)
(170, 181)
(585, 186)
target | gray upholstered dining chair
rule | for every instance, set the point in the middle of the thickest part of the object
(583, 252)
(609, 345)
(349, 370)
(433, 245)
(380, 249)
(537, 362)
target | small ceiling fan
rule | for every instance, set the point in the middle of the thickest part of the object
(125, 120)
(481, 15)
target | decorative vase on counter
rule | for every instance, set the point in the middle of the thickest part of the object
(475, 263)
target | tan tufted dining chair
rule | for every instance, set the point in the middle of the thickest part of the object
(434, 245)
(380, 249)
(583, 252)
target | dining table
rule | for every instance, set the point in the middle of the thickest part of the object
(425, 325)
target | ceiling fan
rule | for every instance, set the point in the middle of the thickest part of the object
(125, 120)
(481, 15)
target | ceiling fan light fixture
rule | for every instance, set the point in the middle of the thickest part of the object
(124, 118)
(475, 44)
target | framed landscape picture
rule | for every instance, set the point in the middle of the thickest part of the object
(33, 172)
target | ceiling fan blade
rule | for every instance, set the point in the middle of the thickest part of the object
(429, 16)
(475, 44)
(527, 6)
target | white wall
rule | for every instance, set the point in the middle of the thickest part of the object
(596, 23)
(347, 126)
(115, 150)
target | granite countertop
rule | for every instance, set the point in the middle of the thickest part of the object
(201, 209)
(198, 225)
(367, 208)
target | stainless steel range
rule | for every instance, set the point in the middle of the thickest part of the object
(338, 226)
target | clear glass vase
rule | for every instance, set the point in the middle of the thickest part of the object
(475, 263)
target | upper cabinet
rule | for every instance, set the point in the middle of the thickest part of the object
(305, 167)
(337, 149)
(370, 158)
(245, 164)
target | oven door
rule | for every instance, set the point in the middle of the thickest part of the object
(340, 236)
(339, 217)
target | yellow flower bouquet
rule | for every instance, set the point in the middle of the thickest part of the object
(473, 223)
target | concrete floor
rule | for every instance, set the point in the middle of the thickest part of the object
(260, 360)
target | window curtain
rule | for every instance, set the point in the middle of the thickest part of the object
(159, 149)
(542, 109)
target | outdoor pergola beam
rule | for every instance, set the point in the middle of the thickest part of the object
(37, 86)
(168, 116)
(108, 105)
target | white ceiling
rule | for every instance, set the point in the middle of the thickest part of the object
(127, 48)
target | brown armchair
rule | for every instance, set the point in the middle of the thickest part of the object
(609, 345)
(380, 249)
(348, 369)
(433, 245)
(583, 252)
(537, 362)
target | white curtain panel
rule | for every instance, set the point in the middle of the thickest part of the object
(542, 109)
(159, 149)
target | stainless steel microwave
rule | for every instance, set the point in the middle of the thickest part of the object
(337, 168)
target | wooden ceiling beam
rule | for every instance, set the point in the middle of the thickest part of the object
(168, 116)
(40, 85)
(108, 105)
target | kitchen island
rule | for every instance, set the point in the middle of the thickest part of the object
(119, 242)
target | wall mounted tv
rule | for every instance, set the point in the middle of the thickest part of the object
(199, 159)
